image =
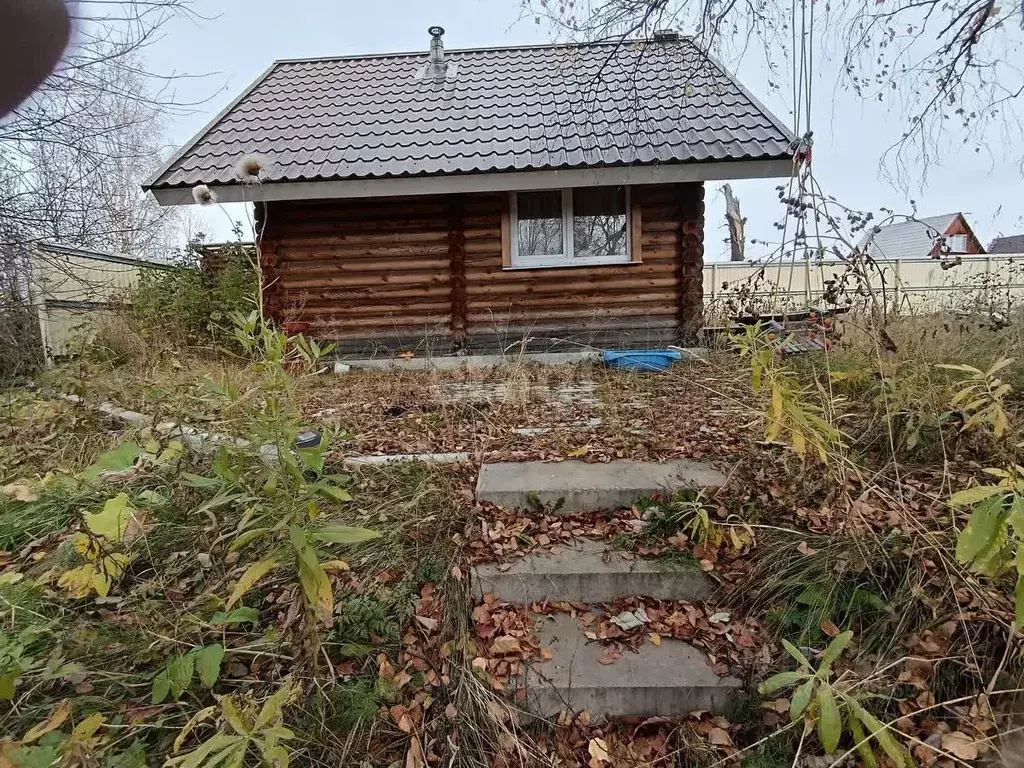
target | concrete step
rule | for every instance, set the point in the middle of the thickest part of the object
(582, 487)
(585, 574)
(668, 679)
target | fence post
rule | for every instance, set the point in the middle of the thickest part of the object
(897, 283)
(807, 280)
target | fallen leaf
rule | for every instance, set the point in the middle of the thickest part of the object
(505, 644)
(830, 629)
(720, 737)
(610, 655)
(628, 620)
(414, 755)
(655, 638)
(598, 749)
(803, 549)
(722, 617)
(426, 622)
(20, 491)
(960, 744)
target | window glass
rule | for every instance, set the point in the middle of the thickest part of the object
(599, 222)
(539, 223)
(957, 243)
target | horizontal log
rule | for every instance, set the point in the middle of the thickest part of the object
(334, 252)
(567, 287)
(351, 281)
(582, 313)
(411, 308)
(383, 293)
(340, 265)
(510, 330)
(586, 299)
(380, 238)
(383, 323)
(347, 229)
(605, 273)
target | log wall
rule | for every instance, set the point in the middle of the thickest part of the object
(426, 273)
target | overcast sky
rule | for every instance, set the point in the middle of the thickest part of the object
(240, 39)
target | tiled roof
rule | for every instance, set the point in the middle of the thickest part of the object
(908, 239)
(499, 109)
(1008, 244)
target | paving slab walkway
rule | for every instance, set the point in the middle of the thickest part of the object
(673, 678)
(589, 572)
(578, 486)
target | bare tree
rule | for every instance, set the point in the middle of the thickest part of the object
(72, 155)
(949, 67)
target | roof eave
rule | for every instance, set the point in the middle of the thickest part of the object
(505, 181)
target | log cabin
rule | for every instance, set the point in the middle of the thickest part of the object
(544, 196)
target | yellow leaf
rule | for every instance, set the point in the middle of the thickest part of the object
(235, 717)
(110, 522)
(655, 638)
(252, 574)
(78, 581)
(317, 588)
(799, 443)
(88, 727)
(575, 453)
(598, 749)
(1000, 423)
(203, 714)
(335, 565)
(60, 713)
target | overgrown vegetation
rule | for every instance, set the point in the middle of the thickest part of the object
(194, 305)
(247, 600)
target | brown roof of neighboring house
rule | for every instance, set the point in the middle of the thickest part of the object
(1008, 244)
(496, 109)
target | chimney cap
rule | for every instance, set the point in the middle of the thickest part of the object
(435, 31)
(665, 35)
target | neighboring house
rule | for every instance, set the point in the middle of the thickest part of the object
(922, 238)
(471, 198)
(73, 287)
(1008, 244)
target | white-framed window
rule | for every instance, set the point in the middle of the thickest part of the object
(957, 243)
(576, 227)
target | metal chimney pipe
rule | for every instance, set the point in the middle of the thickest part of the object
(436, 48)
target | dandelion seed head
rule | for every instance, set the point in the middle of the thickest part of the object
(203, 195)
(252, 167)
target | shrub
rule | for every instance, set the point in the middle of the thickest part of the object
(191, 305)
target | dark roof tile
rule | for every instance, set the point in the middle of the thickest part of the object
(532, 108)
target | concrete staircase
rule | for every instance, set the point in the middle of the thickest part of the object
(672, 678)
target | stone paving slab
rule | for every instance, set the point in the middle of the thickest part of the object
(583, 487)
(585, 574)
(673, 678)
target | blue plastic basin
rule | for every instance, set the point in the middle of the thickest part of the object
(643, 359)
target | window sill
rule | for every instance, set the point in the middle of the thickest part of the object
(571, 265)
